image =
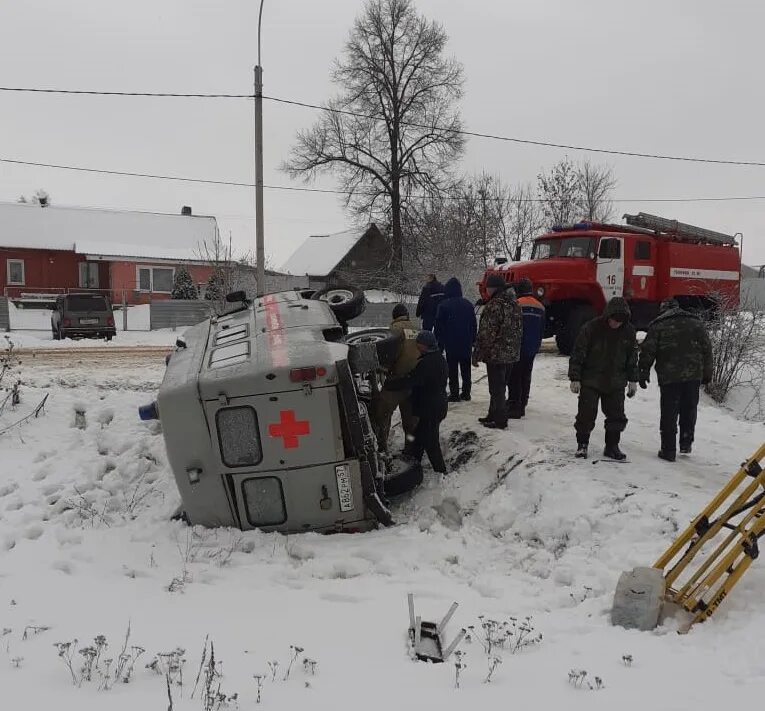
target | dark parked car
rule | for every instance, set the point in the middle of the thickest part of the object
(82, 316)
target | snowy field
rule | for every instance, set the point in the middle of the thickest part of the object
(519, 529)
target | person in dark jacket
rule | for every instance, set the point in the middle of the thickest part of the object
(519, 378)
(455, 331)
(427, 383)
(427, 305)
(604, 361)
(385, 402)
(678, 343)
(498, 344)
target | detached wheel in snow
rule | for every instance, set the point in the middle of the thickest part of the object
(346, 303)
(579, 316)
(384, 341)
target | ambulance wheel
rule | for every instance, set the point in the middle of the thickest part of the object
(346, 302)
(386, 343)
(579, 316)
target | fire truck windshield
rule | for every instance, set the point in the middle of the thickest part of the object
(563, 247)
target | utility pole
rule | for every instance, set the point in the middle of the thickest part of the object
(260, 251)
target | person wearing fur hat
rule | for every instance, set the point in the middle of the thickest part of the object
(427, 383)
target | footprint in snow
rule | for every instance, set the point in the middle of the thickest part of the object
(33, 532)
(15, 505)
(7, 489)
(40, 474)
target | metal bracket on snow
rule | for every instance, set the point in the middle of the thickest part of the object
(426, 638)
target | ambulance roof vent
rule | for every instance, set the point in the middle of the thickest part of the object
(678, 230)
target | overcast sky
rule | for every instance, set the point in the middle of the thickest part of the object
(679, 77)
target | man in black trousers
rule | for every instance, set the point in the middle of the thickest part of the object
(429, 404)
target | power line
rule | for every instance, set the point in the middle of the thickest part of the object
(293, 188)
(369, 117)
(153, 94)
(525, 141)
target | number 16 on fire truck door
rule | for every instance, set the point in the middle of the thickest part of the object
(610, 268)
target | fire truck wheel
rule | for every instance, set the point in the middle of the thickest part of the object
(386, 343)
(579, 316)
(346, 302)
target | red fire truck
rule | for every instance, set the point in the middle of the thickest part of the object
(576, 269)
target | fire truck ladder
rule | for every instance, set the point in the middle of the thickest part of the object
(679, 230)
(729, 528)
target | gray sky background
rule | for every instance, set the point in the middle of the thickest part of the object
(680, 77)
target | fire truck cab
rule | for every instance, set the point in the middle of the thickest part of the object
(575, 270)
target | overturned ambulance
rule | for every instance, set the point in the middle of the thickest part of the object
(263, 422)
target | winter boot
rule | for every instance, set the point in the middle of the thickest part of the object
(581, 450)
(612, 450)
(484, 420)
(515, 412)
(454, 398)
(668, 447)
(686, 444)
(466, 397)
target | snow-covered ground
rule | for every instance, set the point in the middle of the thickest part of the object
(518, 529)
(30, 328)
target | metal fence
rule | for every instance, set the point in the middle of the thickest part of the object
(5, 319)
(175, 313)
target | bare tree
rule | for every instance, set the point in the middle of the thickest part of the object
(521, 220)
(559, 191)
(393, 129)
(596, 185)
(570, 192)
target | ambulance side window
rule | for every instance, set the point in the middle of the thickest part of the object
(239, 436)
(643, 250)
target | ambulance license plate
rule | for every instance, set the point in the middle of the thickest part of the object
(344, 490)
(88, 321)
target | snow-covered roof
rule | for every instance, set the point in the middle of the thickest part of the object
(105, 232)
(320, 254)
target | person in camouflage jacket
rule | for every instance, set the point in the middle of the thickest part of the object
(603, 362)
(678, 344)
(498, 344)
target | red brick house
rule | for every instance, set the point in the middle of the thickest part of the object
(132, 256)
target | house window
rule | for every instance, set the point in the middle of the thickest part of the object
(157, 279)
(16, 272)
(89, 275)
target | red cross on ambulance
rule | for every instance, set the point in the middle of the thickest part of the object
(289, 429)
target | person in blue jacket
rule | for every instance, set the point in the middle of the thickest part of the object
(519, 376)
(455, 330)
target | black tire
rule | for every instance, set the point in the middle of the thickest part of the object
(56, 335)
(109, 337)
(386, 343)
(579, 316)
(346, 302)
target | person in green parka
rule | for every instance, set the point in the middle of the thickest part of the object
(603, 363)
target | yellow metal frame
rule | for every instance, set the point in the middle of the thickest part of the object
(732, 522)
